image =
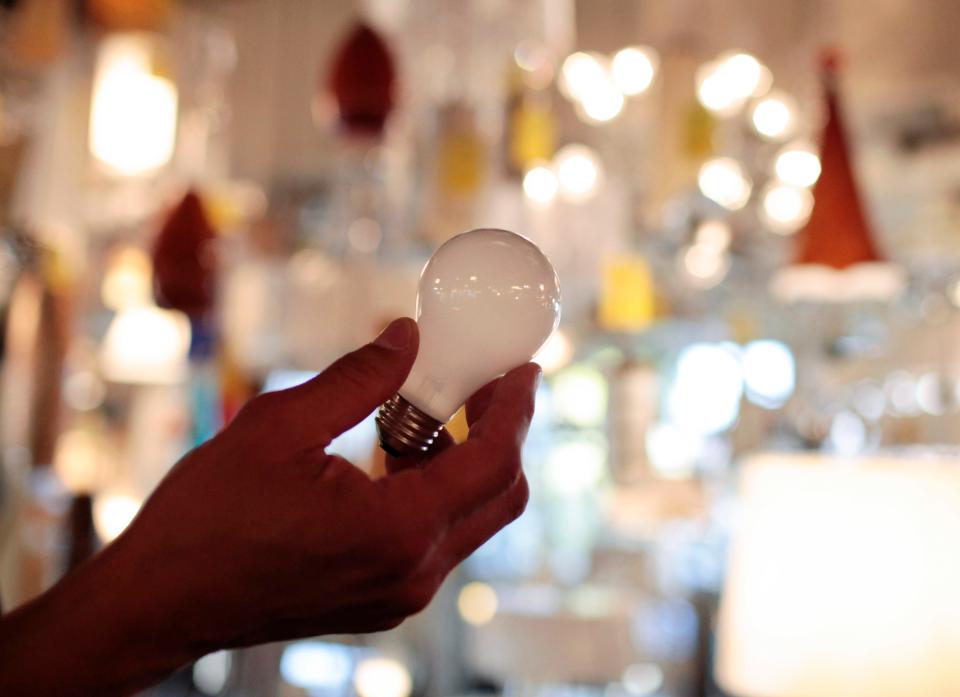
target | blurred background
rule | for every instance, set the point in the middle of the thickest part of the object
(744, 471)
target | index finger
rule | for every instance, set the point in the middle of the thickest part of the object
(466, 476)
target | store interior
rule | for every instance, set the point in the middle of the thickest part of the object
(744, 468)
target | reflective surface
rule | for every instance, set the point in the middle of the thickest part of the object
(488, 300)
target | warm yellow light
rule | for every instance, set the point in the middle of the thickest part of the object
(578, 171)
(634, 69)
(705, 267)
(146, 345)
(843, 578)
(725, 84)
(477, 603)
(602, 102)
(133, 117)
(723, 181)
(713, 235)
(382, 677)
(77, 460)
(112, 513)
(580, 71)
(798, 165)
(556, 353)
(540, 184)
(128, 279)
(786, 208)
(774, 116)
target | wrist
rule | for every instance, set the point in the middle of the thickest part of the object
(104, 629)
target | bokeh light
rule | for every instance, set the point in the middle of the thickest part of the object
(540, 184)
(786, 208)
(775, 116)
(797, 165)
(382, 676)
(723, 181)
(634, 68)
(769, 372)
(579, 172)
(477, 603)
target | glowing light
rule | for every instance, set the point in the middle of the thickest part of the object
(705, 267)
(786, 208)
(797, 165)
(774, 116)
(133, 117)
(931, 394)
(574, 467)
(579, 73)
(112, 513)
(705, 395)
(769, 372)
(316, 665)
(723, 181)
(77, 460)
(556, 353)
(578, 171)
(848, 434)
(634, 69)
(603, 102)
(713, 235)
(382, 677)
(673, 452)
(84, 390)
(580, 396)
(540, 184)
(146, 345)
(127, 280)
(726, 83)
(477, 603)
(211, 672)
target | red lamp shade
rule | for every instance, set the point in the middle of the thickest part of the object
(362, 81)
(183, 261)
(837, 233)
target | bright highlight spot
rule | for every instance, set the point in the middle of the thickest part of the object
(641, 679)
(713, 235)
(575, 467)
(634, 69)
(211, 672)
(578, 170)
(726, 83)
(382, 677)
(786, 208)
(769, 372)
(540, 184)
(579, 73)
(133, 117)
(723, 181)
(128, 279)
(580, 396)
(774, 116)
(477, 603)
(797, 165)
(112, 513)
(556, 353)
(673, 452)
(705, 395)
(705, 267)
(316, 665)
(146, 345)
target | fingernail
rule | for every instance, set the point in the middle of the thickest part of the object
(396, 336)
(538, 377)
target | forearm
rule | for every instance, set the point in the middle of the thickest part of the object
(105, 629)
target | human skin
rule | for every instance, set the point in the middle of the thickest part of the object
(259, 535)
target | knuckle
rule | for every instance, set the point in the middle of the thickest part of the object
(520, 498)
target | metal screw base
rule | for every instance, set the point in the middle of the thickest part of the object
(404, 429)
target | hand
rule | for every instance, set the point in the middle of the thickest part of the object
(260, 535)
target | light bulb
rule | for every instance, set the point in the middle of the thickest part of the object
(488, 300)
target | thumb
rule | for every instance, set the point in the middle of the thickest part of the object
(359, 382)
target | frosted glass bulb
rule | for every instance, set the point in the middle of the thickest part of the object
(487, 302)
